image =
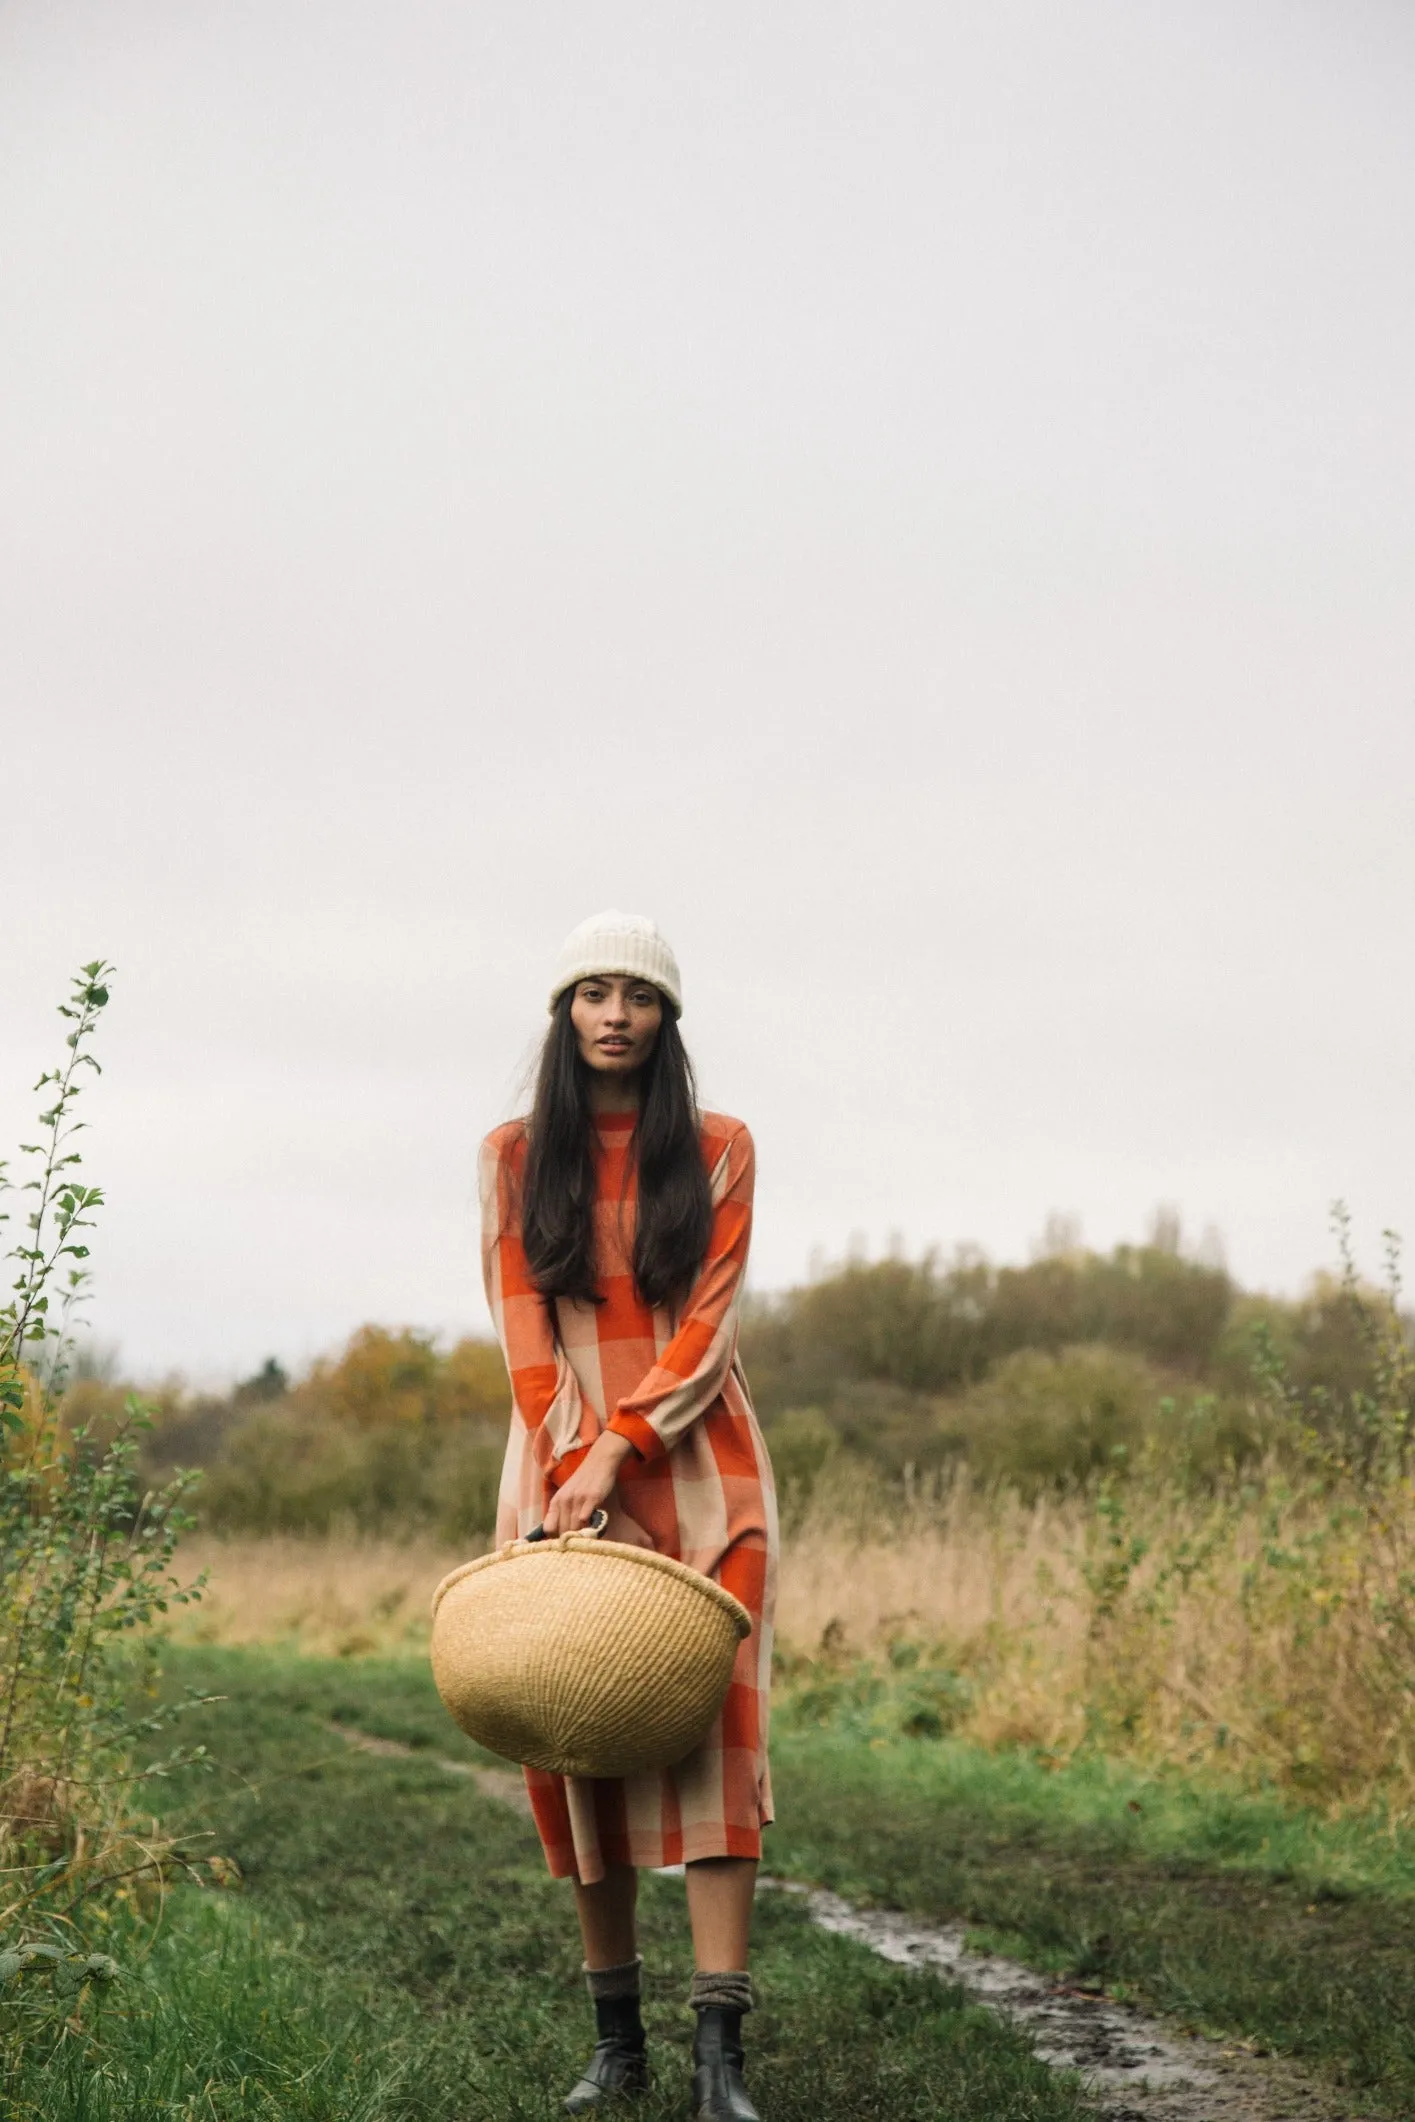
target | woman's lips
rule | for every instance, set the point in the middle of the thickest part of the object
(615, 1046)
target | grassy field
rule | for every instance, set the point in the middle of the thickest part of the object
(1234, 1915)
(1242, 1638)
(398, 1952)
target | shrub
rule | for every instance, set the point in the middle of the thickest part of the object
(1146, 1298)
(393, 1435)
(1235, 1598)
(1055, 1421)
(292, 1468)
(917, 1364)
(84, 1568)
(803, 1446)
(386, 1378)
(924, 1327)
(1306, 1677)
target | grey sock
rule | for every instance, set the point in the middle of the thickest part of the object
(606, 1983)
(729, 1992)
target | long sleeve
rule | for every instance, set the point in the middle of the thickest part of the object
(544, 1389)
(690, 1372)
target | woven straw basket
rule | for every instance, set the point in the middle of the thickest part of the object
(583, 1655)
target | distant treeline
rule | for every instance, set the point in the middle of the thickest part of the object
(1039, 1376)
(394, 1434)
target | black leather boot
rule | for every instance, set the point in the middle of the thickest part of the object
(618, 2068)
(718, 2092)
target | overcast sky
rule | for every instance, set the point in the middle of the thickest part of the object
(920, 498)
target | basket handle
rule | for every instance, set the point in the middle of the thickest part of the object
(596, 1526)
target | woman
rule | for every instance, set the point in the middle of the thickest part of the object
(615, 1223)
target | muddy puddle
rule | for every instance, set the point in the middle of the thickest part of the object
(1137, 2069)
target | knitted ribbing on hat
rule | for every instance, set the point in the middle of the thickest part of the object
(612, 942)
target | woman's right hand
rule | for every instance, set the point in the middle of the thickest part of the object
(589, 1487)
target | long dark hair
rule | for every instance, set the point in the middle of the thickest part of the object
(558, 1191)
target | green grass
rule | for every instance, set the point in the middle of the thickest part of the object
(1235, 1915)
(399, 1952)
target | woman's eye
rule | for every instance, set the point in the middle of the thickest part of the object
(643, 999)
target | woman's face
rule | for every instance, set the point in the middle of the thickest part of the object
(616, 1021)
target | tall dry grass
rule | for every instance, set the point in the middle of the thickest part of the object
(975, 1584)
(1263, 1634)
(339, 1597)
(1259, 1635)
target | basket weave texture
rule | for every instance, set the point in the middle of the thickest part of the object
(584, 1656)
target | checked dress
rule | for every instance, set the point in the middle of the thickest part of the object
(697, 1485)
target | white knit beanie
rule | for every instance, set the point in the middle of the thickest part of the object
(612, 942)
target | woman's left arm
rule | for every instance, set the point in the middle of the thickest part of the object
(692, 1369)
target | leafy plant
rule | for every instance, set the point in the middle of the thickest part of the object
(1274, 1616)
(85, 1567)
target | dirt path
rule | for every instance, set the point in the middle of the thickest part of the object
(1138, 2068)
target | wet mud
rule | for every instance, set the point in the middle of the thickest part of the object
(1137, 2069)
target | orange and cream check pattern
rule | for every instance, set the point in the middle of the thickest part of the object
(697, 1487)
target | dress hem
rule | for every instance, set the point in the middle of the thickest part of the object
(614, 1851)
